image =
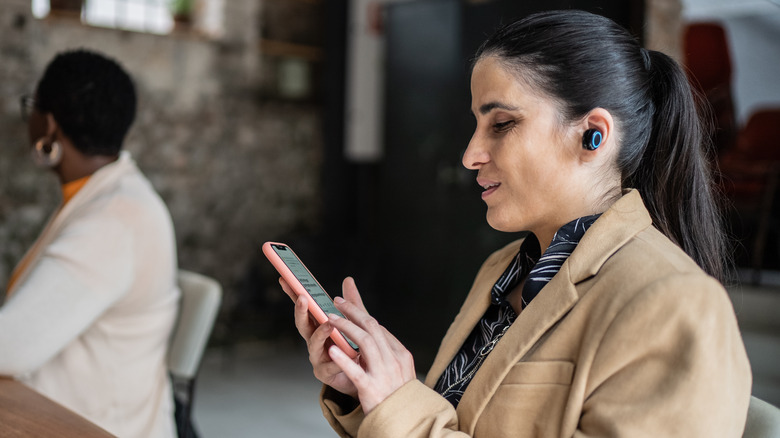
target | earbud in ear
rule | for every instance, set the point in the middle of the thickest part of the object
(591, 139)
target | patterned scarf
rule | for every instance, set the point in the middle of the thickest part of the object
(500, 315)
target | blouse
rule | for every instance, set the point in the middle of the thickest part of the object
(500, 315)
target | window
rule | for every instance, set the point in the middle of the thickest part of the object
(151, 16)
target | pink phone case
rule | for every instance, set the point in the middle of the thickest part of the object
(298, 288)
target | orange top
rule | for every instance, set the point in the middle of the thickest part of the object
(69, 190)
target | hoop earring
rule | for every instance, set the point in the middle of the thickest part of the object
(45, 159)
(591, 139)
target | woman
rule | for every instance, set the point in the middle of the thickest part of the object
(90, 307)
(608, 319)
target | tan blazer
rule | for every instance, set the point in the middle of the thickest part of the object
(629, 339)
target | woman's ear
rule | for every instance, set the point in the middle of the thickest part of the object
(52, 127)
(597, 135)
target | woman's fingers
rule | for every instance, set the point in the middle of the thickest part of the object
(317, 337)
(376, 342)
(319, 340)
(384, 364)
(288, 290)
(357, 314)
(352, 370)
(350, 291)
(366, 332)
(386, 367)
(353, 308)
(302, 319)
(356, 333)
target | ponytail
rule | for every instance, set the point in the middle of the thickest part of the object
(674, 174)
(586, 61)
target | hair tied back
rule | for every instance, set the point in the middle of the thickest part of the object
(645, 57)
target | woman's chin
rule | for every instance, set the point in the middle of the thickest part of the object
(499, 223)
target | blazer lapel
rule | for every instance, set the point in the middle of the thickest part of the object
(608, 234)
(472, 310)
(103, 179)
(555, 300)
(100, 181)
(627, 217)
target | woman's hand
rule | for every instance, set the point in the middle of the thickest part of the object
(318, 341)
(385, 364)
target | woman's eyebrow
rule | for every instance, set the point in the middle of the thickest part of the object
(488, 107)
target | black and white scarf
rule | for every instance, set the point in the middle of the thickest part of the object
(500, 315)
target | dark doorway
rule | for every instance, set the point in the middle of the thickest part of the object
(430, 234)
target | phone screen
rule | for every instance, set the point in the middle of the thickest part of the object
(309, 283)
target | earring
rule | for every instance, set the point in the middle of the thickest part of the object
(591, 139)
(44, 158)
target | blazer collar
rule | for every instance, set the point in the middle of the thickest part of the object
(102, 180)
(623, 220)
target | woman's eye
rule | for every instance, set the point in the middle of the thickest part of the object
(502, 126)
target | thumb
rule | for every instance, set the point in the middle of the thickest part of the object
(351, 294)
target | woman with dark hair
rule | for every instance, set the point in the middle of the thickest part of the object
(89, 309)
(608, 319)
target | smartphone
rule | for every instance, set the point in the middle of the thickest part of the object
(300, 279)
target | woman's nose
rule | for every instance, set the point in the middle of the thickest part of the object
(475, 155)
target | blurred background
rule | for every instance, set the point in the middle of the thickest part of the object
(337, 127)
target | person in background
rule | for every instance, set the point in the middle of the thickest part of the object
(608, 319)
(89, 309)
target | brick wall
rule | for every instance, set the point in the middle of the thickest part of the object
(234, 167)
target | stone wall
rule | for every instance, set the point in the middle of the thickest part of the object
(234, 167)
(663, 29)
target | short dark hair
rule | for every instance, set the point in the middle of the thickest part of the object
(92, 99)
(586, 61)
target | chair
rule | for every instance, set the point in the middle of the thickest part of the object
(763, 420)
(751, 174)
(200, 299)
(707, 56)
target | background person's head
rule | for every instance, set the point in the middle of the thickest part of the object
(585, 62)
(91, 99)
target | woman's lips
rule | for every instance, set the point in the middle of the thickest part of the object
(488, 191)
(488, 186)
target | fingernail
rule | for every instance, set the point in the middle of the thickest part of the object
(333, 316)
(338, 300)
(335, 351)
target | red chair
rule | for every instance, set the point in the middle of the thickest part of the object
(751, 173)
(707, 57)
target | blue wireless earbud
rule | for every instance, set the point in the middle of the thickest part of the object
(591, 139)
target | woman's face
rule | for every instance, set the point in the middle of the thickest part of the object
(528, 161)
